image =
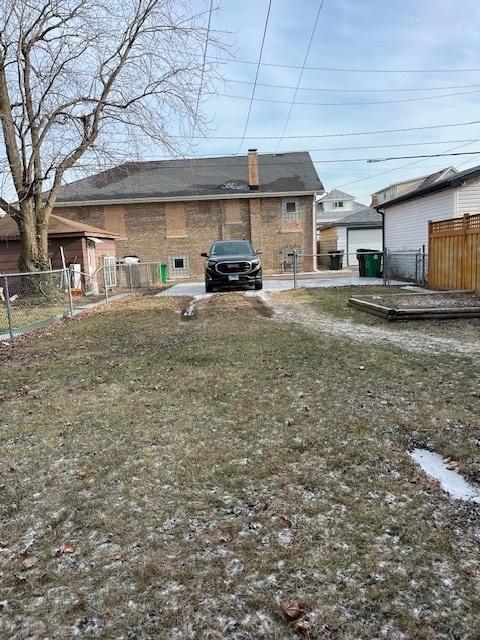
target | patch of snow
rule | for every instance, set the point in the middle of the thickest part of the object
(450, 480)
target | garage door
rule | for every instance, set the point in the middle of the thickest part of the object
(362, 239)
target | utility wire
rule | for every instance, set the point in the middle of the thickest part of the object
(265, 162)
(237, 155)
(342, 69)
(203, 66)
(256, 75)
(301, 73)
(323, 89)
(403, 166)
(348, 104)
(325, 135)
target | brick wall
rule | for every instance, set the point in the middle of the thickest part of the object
(195, 224)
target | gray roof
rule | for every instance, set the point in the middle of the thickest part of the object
(336, 194)
(228, 175)
(365, 217)
(432, 184)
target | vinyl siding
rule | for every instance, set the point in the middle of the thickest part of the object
(468, 198)
(406, 224)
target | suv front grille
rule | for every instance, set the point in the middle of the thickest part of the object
(233, 267)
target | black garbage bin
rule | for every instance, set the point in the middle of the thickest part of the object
(336, 259)
(362, 266)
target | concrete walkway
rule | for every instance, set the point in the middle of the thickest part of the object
(198, 288)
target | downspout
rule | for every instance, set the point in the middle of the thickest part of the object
(382, 213)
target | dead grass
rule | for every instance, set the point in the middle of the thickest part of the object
(333, 302)
(207, 471)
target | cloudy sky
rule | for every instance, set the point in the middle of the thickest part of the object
(423, 35)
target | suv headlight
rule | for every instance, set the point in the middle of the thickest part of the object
(211, 265)
(255, 262)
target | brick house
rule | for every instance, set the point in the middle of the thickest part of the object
(172, 210)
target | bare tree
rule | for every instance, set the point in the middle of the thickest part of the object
(81, 81)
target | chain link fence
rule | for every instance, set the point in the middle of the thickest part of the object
(361, 268)
(31, 300)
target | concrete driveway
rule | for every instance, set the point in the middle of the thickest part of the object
(198, 288)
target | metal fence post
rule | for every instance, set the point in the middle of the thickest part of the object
(9, 308)
(294, 268)
(385, 267)
(68, 279)
(105, 289)
(423, 265)
(130, 278)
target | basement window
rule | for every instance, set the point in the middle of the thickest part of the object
(291, 210)
(178, 266)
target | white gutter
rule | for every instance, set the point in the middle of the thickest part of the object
(220, 196)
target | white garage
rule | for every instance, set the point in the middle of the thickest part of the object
(362, 239)
(359, 230)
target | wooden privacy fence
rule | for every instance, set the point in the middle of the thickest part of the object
(454, 253)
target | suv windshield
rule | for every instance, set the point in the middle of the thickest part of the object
(231, 249)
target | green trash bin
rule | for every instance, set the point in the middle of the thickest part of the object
(163, 273)
(373, 264)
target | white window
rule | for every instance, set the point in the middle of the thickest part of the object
(178, 266)
(291, 210)
(338, 205)
(110, 271)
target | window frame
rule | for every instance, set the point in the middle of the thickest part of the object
(179, 272)
(291, 216)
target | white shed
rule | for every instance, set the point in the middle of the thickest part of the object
(359, 230)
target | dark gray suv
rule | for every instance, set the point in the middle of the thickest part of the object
(231, 263)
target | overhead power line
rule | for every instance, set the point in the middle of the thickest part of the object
(343, 69)
(402, 166)
(375, 146)
(265, 162)
(335, 135)
(256, 74)
(350, 104)
(324, 89)
(202, 74)
(292, 102)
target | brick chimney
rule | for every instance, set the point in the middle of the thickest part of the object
(253, 169)
(375, 200)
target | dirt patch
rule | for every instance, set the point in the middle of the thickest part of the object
(206, 306)
(426, 301)
(411, 340)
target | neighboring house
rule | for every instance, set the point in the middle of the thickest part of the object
(359, 230)
(403, 187)
(82, 244)
(334, 205)
(172, 210)
(444, 194)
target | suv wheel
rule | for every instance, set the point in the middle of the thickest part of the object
(208, 287)
(258, 285)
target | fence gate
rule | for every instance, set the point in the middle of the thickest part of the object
(454, 253)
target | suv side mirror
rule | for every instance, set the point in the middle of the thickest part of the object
(204, 254)
(259, 253)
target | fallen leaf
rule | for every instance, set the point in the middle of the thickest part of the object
(28, 563)
(285, 522)
(65, 549)
(293, 609)
(303, 626)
